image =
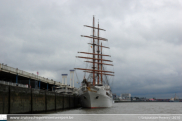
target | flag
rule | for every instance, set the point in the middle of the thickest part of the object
(37, 73)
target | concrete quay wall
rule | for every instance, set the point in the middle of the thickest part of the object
(38, 100)
(20, 100)
(4, 99)
(16, 100)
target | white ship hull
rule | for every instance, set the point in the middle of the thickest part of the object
(96, 99)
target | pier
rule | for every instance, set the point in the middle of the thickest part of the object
(15, 75)
(23, 92)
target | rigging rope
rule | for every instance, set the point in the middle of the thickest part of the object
(78, 59)
(77, 77)
(112, 63)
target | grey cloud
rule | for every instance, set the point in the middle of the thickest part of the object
(144, 37)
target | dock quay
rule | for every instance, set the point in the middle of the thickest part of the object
(14, 100)
(26, 93)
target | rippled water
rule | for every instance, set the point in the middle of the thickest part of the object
(132, 108)
(130, 111)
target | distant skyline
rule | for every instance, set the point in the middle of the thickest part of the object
(144, 37)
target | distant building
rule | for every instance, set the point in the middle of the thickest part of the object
(143, 99)
(151, 99)
(139, 99)
(126, 96)
(114, 96)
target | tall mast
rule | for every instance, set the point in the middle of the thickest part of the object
(96, 59)
(93, 53)
(98, 55)
(101, 62)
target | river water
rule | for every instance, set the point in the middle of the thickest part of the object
(132, 108)
(128, 111)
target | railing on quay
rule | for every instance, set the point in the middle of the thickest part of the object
(13, 84)
(28, 75)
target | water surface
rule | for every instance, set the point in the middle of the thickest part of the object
(132, 108)
(127, 111)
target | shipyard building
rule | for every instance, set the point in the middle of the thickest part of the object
(126, 96)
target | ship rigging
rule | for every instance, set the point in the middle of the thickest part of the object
(97, 60)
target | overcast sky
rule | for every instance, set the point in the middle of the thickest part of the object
(145, 40)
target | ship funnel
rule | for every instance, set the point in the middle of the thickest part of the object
(64, 79)
(72, 77)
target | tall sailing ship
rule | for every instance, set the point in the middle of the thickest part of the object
(95, 91)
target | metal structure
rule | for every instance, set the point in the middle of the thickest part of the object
(72, 78)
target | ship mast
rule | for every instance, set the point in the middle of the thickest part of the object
(97, 59)
(93, 52)
(101, 64)
(98, 54)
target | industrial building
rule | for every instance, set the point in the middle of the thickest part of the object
(125, 97)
